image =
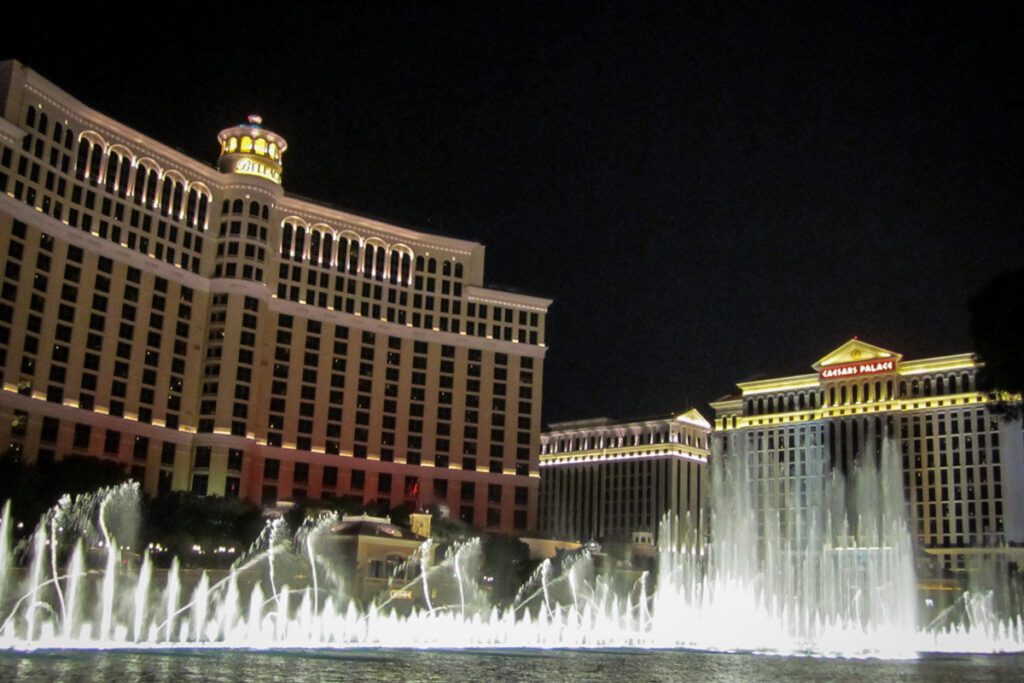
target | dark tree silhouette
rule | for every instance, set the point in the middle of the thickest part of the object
(996, 311)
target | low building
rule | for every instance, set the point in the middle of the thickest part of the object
(610, 481)
(372, 552)
(962, 463)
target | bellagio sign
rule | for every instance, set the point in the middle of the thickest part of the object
(868, 367)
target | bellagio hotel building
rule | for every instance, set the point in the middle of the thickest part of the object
(962, 463)
(209, 332)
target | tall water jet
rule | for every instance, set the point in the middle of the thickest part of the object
(825, 568)
(142, 597)
(6, 524)
(74, 579)
(824, 565)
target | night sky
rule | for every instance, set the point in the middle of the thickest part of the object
(708, 194)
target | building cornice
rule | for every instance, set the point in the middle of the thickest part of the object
(502, 298)
(315, 213)
(86, 117)
(643, 452)
(93, 243)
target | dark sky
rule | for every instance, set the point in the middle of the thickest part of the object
(707, 193)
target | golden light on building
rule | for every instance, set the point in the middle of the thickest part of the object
(245, 342)
(962, 463)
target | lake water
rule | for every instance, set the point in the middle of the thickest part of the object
(494, 666)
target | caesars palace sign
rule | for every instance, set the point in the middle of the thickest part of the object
(870, 367)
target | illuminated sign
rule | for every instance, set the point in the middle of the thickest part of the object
(868, 367)
(401, 594)
(250, 166)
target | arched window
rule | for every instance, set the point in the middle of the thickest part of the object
(190, 209)
(69, 139)
(395, 266)
(368, 253)
(226, 206)
(140, 184)
(58, 132)
(342, 253)
(927, 386)
(44, 123)
(378, 271)
(254, 209)
(179, 192)
(124, 178)
(300, 244)
(151, 186)
(327, 251)
(266, 212)
(165, 196)
(432, 265)
(95, 163)
(113, 166)
(236, 206)
(458, 270)
(965, 382)
(419, 264)
(446, 268)
(353, 256)
(314, 247)
(952, 384)
(203, 205)
(286, 240)
(30, 117)
(940, 386)
(406, 269)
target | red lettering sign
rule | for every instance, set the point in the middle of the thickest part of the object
(868, 367)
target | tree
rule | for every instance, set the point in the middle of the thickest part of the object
(507, 563)
(997, 340)
(34, 488)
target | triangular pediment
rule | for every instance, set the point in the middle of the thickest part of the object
(692, 416)
(855, 351)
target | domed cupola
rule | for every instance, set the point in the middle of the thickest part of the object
(250, 149)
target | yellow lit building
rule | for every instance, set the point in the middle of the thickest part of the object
(963, 466)
(614, 481)
(213, 333)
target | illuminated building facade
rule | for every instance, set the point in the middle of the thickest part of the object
(962, 464)
(604, 480)
(214, 334)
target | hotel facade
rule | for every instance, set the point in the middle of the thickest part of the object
(603, 480)
(962, 464)
(212, 333)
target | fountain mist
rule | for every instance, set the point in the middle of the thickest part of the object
(817, 564)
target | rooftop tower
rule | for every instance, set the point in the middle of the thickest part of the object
(250, 149)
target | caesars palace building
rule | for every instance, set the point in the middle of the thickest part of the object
(211, 333)
(962, 464)
(605, 480)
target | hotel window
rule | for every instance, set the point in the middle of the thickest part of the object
(112, 442)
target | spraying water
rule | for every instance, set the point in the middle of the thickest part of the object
(825, 568)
